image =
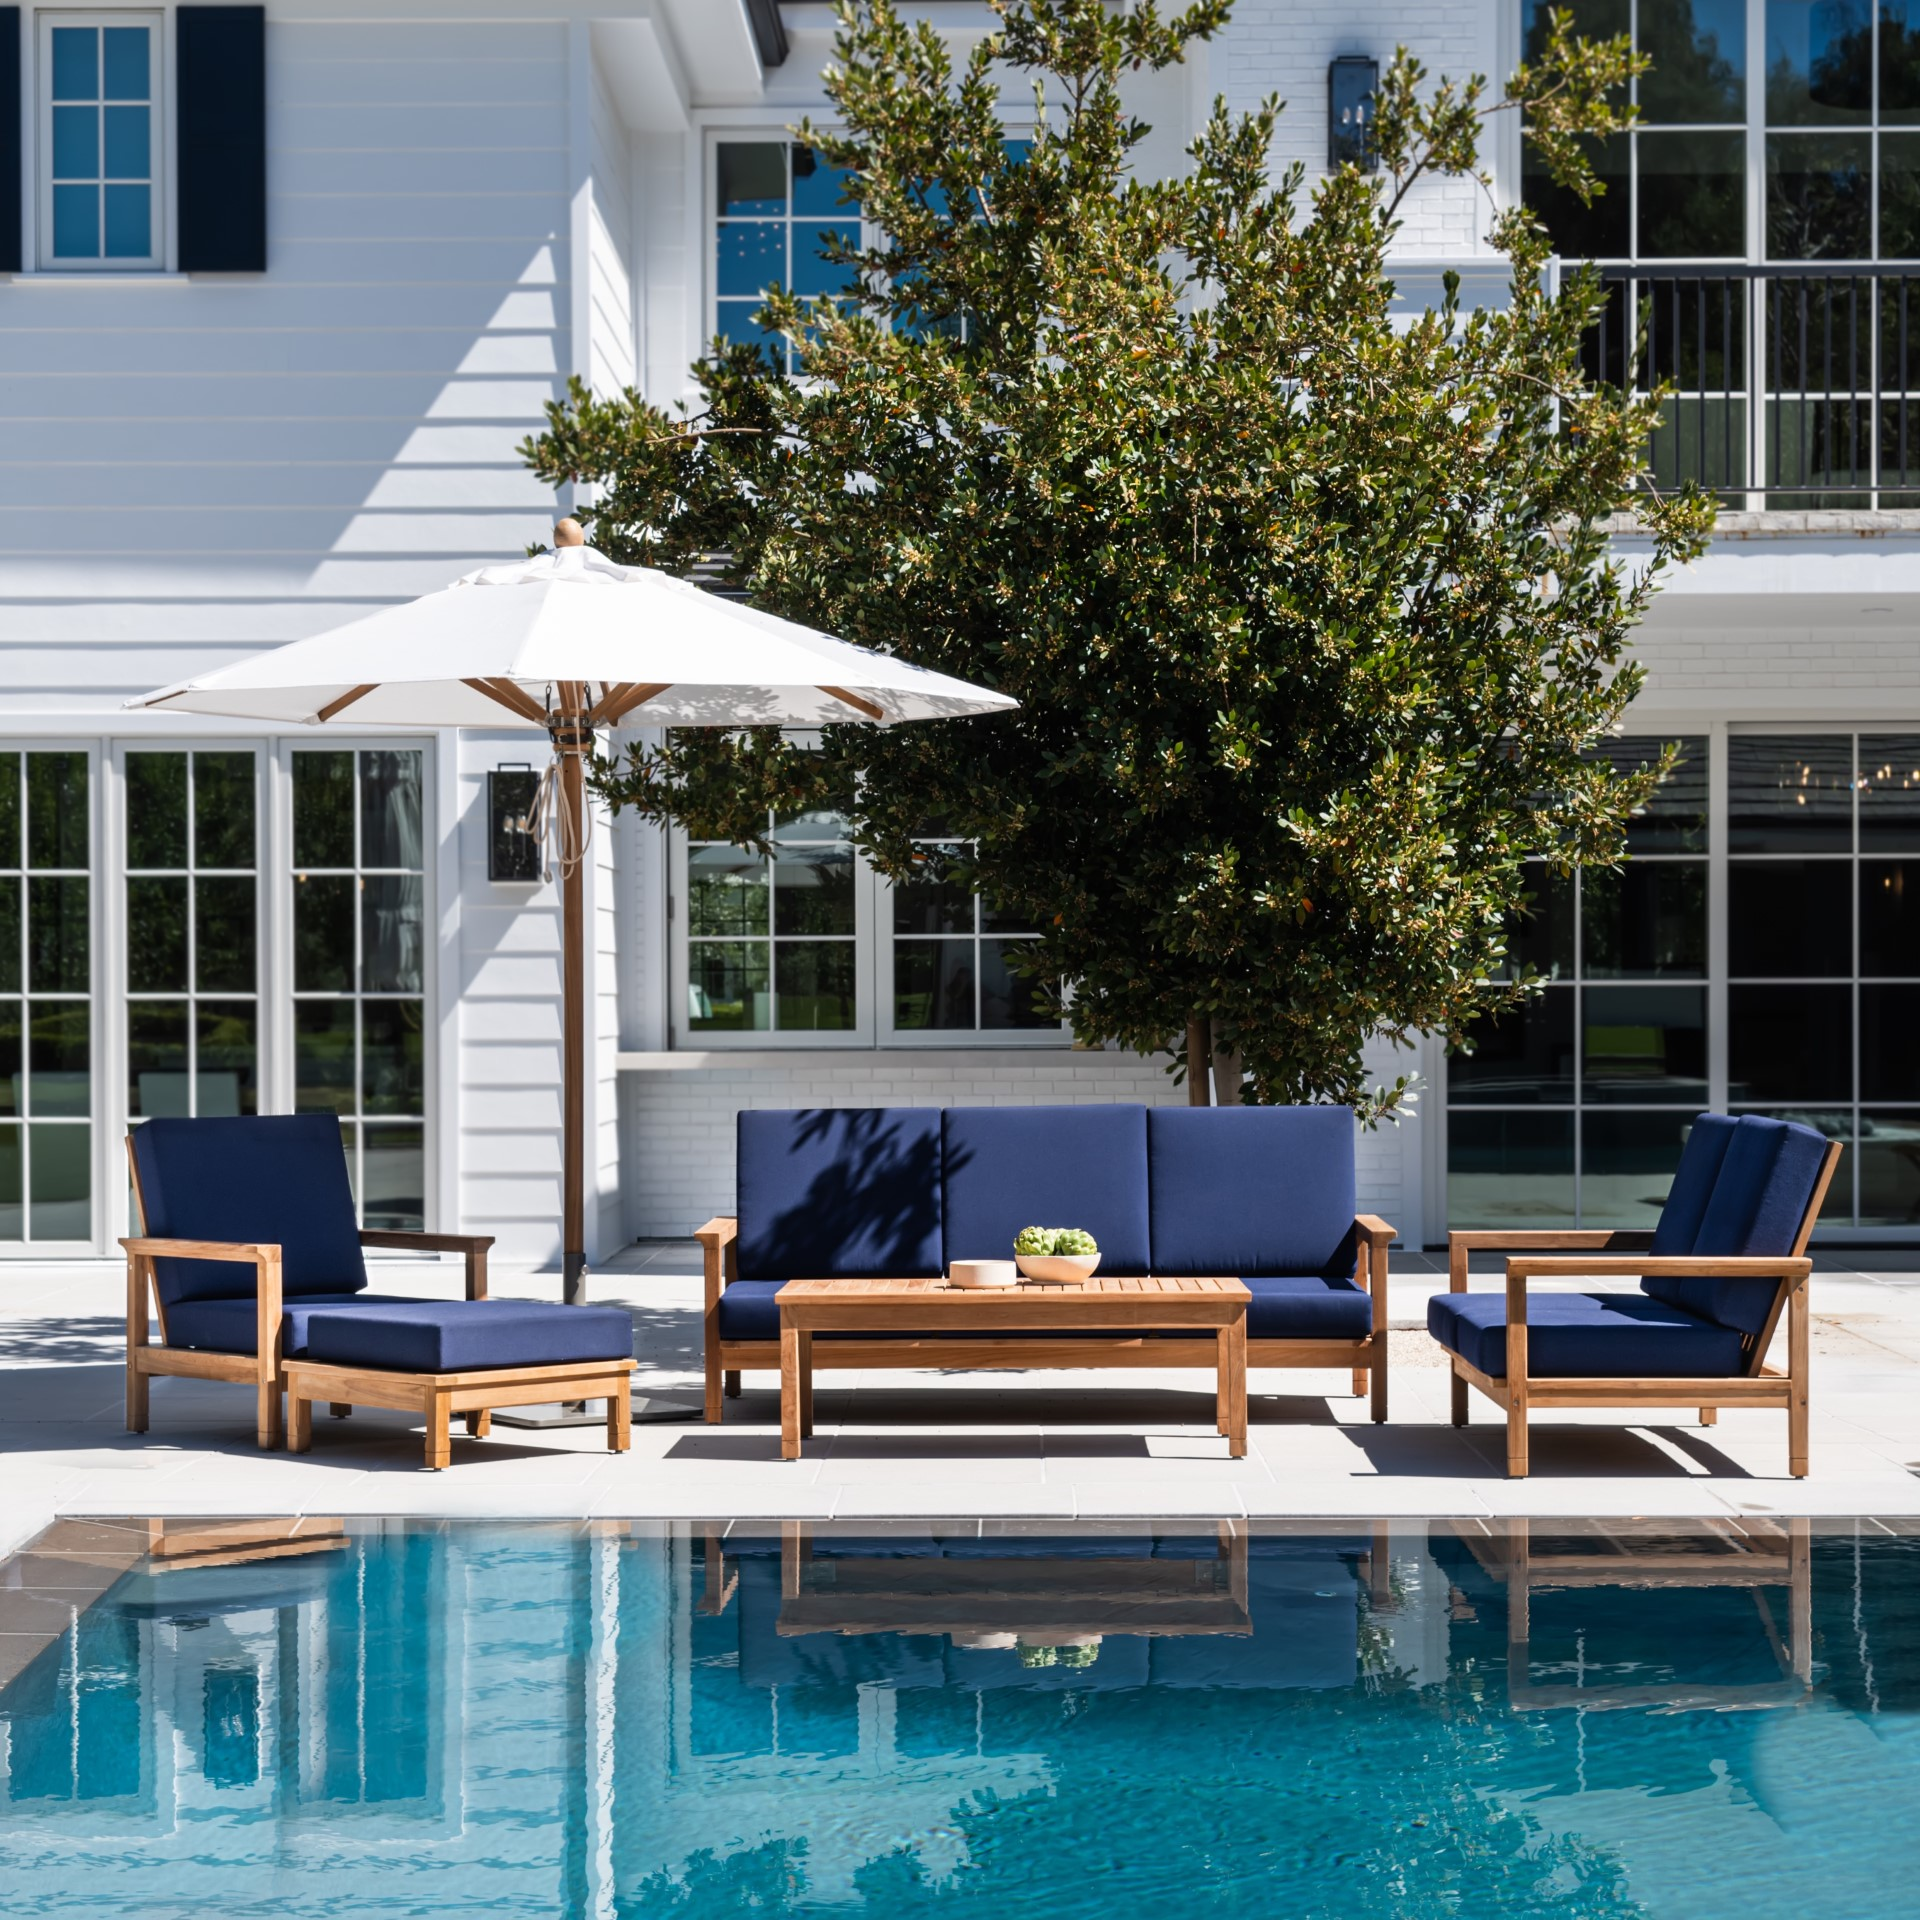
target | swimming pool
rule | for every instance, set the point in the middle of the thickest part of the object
(630, 1721)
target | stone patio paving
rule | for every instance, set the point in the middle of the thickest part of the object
(1058, 1445)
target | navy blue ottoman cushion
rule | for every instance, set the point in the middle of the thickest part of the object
(831, 1193)
(1012, 1167)
(227, 1326)
(1307, 1308)
(457, 1336)
(1586, 1336)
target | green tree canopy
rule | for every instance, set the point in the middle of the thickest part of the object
(1310, 607)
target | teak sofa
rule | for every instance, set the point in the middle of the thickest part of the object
(249, 1252)
(1729, 1254)
(1260, 1194)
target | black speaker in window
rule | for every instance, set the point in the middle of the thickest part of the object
(1352, 81)
(513, 854)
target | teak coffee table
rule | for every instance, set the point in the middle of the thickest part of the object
(1102, 1305)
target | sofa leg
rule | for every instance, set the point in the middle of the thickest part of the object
(1709, 1416)
(1459, 1401)
(1359, 1381)
(1379, 1372)
(1517, 1440)
(138, 1385)
(266, 1424)
(620, 1415)
(439, 1438)
(479, 1422)
(713, 1391)
(339, 1408)
(733, 1384)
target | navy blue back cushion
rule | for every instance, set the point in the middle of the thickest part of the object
(1693, 1182)
(1250, 1191)
(1013, 1167)
(1766, 1180)
(839, 1193)
(274, 1179)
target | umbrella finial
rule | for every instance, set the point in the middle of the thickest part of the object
(569, 533)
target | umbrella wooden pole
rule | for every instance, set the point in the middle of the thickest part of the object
(573, 1038)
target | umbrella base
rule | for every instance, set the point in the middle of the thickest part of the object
(646, 1406)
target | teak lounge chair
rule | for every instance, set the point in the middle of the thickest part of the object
(249, 1252)
(1729, 1253)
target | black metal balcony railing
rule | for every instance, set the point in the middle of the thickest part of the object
(1832, 419)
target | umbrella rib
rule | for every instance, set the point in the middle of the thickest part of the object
(504, 693)
(867, 707)
(622, 699)
(346, 700)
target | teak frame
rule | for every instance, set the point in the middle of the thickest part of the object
(1546, 1255)
(726, 1360)
(263, 1369)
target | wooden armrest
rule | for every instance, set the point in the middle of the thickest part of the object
(1678, 1266)
(473, 1245)
(409, 1242)
(716, 1240)
(1509, 1240)
(1373, 1226)
(718, 1231)
(201, 1249)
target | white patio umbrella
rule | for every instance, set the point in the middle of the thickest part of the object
(571, 642)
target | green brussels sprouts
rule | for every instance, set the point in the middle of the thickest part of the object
(1038, 1240)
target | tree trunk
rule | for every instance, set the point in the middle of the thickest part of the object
(1199, 1051)
(1229, 1077)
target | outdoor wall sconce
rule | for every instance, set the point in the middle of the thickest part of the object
(513, 854)
(1352, 81)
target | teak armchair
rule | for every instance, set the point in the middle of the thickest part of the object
(267, 1197)
(1728, 1257)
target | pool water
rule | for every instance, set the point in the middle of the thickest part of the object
(1430, 1718)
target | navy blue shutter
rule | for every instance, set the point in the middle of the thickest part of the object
(220, 80)
(11, 108)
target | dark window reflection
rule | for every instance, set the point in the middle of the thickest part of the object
(1899, 63)
(1890, 791)
(813, 985)
(1890, 1043)
(1787, 919)
(1510, 1169)
(1626, 1165)
(1819, 196)
(1899, 196)
(1693, 195)
(1642, 920)
(1675, 819)
(1007, 998)
(1540, 939)
(1890, 917)
(1790, 793)
(1644, 1044)
(1789, 1043)
(1524, 1054)
(932, 985)
(1595, 230)
(1819, 62)
(1889, 1167)
(1699, 54)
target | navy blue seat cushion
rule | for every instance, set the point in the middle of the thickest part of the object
(1760, 1196)
(1586, 1336)
(839, 1194)
(226, 1326)
(1005, 1168)
(1686, 1202)
(452, 1336)
(1307, 1307)
(1251, 1190)
(273, 1179)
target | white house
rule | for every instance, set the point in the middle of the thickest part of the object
(281, 291)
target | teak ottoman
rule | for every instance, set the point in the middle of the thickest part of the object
(442, 1357)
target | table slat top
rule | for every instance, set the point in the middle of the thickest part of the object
(1126, 1286)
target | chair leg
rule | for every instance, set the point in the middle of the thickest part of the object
(1459, 1400)
(1359, 1381)
(139, 1383)
(1798, 1342)
(620, 1416)
(266, 1424)
(439, 1439)
(299, 1424)
(1379, 1372)
(339, 1408)
(733, 1385)
(479, 1422)
(1517, 1438)
(713, 1387)
(1709, 1416)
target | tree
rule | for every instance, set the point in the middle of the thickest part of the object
(1310, 611)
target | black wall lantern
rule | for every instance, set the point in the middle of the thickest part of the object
(513, 854)
(1352, 81)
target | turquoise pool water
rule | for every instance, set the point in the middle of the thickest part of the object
(650, 1721)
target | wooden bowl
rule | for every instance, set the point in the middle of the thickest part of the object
(1057, 1269)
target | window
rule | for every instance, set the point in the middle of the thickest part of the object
(192, 933)
(46, 1007)
(950, 956)
(1572, 1109)
(774, 204)
(359, 939)
(1823, 953)
(100, 141)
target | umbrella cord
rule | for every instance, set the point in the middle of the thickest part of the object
(551, 823)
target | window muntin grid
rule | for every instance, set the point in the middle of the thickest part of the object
(950, 953)
(100, 140)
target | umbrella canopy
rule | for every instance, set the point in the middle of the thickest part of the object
(658, 651)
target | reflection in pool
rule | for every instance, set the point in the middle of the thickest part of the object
(1570, 1718)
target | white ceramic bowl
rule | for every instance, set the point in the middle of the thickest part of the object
(1061, 1269)
(982, 1273)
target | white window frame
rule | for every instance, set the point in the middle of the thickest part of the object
(159, 135)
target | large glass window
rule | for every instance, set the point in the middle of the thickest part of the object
(359, 961)
(100, 140)
(775, 203)
(192, 933)
(1571, 1109)
(1823, 967)
(46, 1006)
(952, 956)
